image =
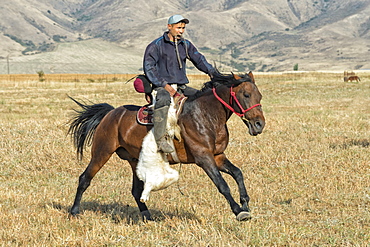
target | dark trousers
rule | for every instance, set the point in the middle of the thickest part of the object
(163, 97)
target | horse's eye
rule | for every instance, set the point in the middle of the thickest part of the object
(247, 95)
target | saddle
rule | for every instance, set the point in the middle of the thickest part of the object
(145, 113)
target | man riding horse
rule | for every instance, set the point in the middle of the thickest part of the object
(202, 123)
(165, 65)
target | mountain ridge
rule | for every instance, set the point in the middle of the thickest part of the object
(237, 35)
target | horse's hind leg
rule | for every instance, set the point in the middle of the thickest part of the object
(98, 159)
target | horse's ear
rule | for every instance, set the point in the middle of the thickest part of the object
(250, 74)
(236, 77)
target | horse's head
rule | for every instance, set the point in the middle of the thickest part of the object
(249, 97)
(245, 101)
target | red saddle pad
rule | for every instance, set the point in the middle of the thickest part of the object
(145, 115)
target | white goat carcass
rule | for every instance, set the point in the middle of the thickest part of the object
(153, 167)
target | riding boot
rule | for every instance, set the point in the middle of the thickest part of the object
(160, 124)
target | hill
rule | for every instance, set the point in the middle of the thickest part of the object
(109, 36)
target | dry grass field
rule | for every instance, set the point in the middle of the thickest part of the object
(308, 174)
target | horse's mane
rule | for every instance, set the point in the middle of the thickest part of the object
(218, 79)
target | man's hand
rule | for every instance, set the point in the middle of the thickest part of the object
(170, 89)
(179, 100)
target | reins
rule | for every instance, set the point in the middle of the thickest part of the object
(233, 96)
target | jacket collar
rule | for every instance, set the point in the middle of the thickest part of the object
(167, 39)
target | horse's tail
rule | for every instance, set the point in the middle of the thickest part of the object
(83, 124)
(358, 78)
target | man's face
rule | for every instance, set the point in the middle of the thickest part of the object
(176, 30)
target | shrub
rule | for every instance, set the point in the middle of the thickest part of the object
(295, 67)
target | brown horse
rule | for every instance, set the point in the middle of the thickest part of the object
(203, 130)
(353, 78)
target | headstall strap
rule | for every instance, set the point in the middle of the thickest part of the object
(233, 96)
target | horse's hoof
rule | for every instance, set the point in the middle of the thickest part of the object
(74, 215)
(74, 212)
(244, 215)
(146, 217)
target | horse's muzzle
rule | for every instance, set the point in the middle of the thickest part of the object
(255, 126)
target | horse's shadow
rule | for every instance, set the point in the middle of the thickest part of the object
(124, 214)
(347, 143)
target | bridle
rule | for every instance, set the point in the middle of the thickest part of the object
(233, 96)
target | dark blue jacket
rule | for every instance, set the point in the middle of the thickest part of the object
(161, 64)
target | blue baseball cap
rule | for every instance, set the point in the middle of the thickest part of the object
(176, 19)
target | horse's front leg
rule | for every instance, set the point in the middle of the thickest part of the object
(226, 166)
(209, 166)
(136, 191)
